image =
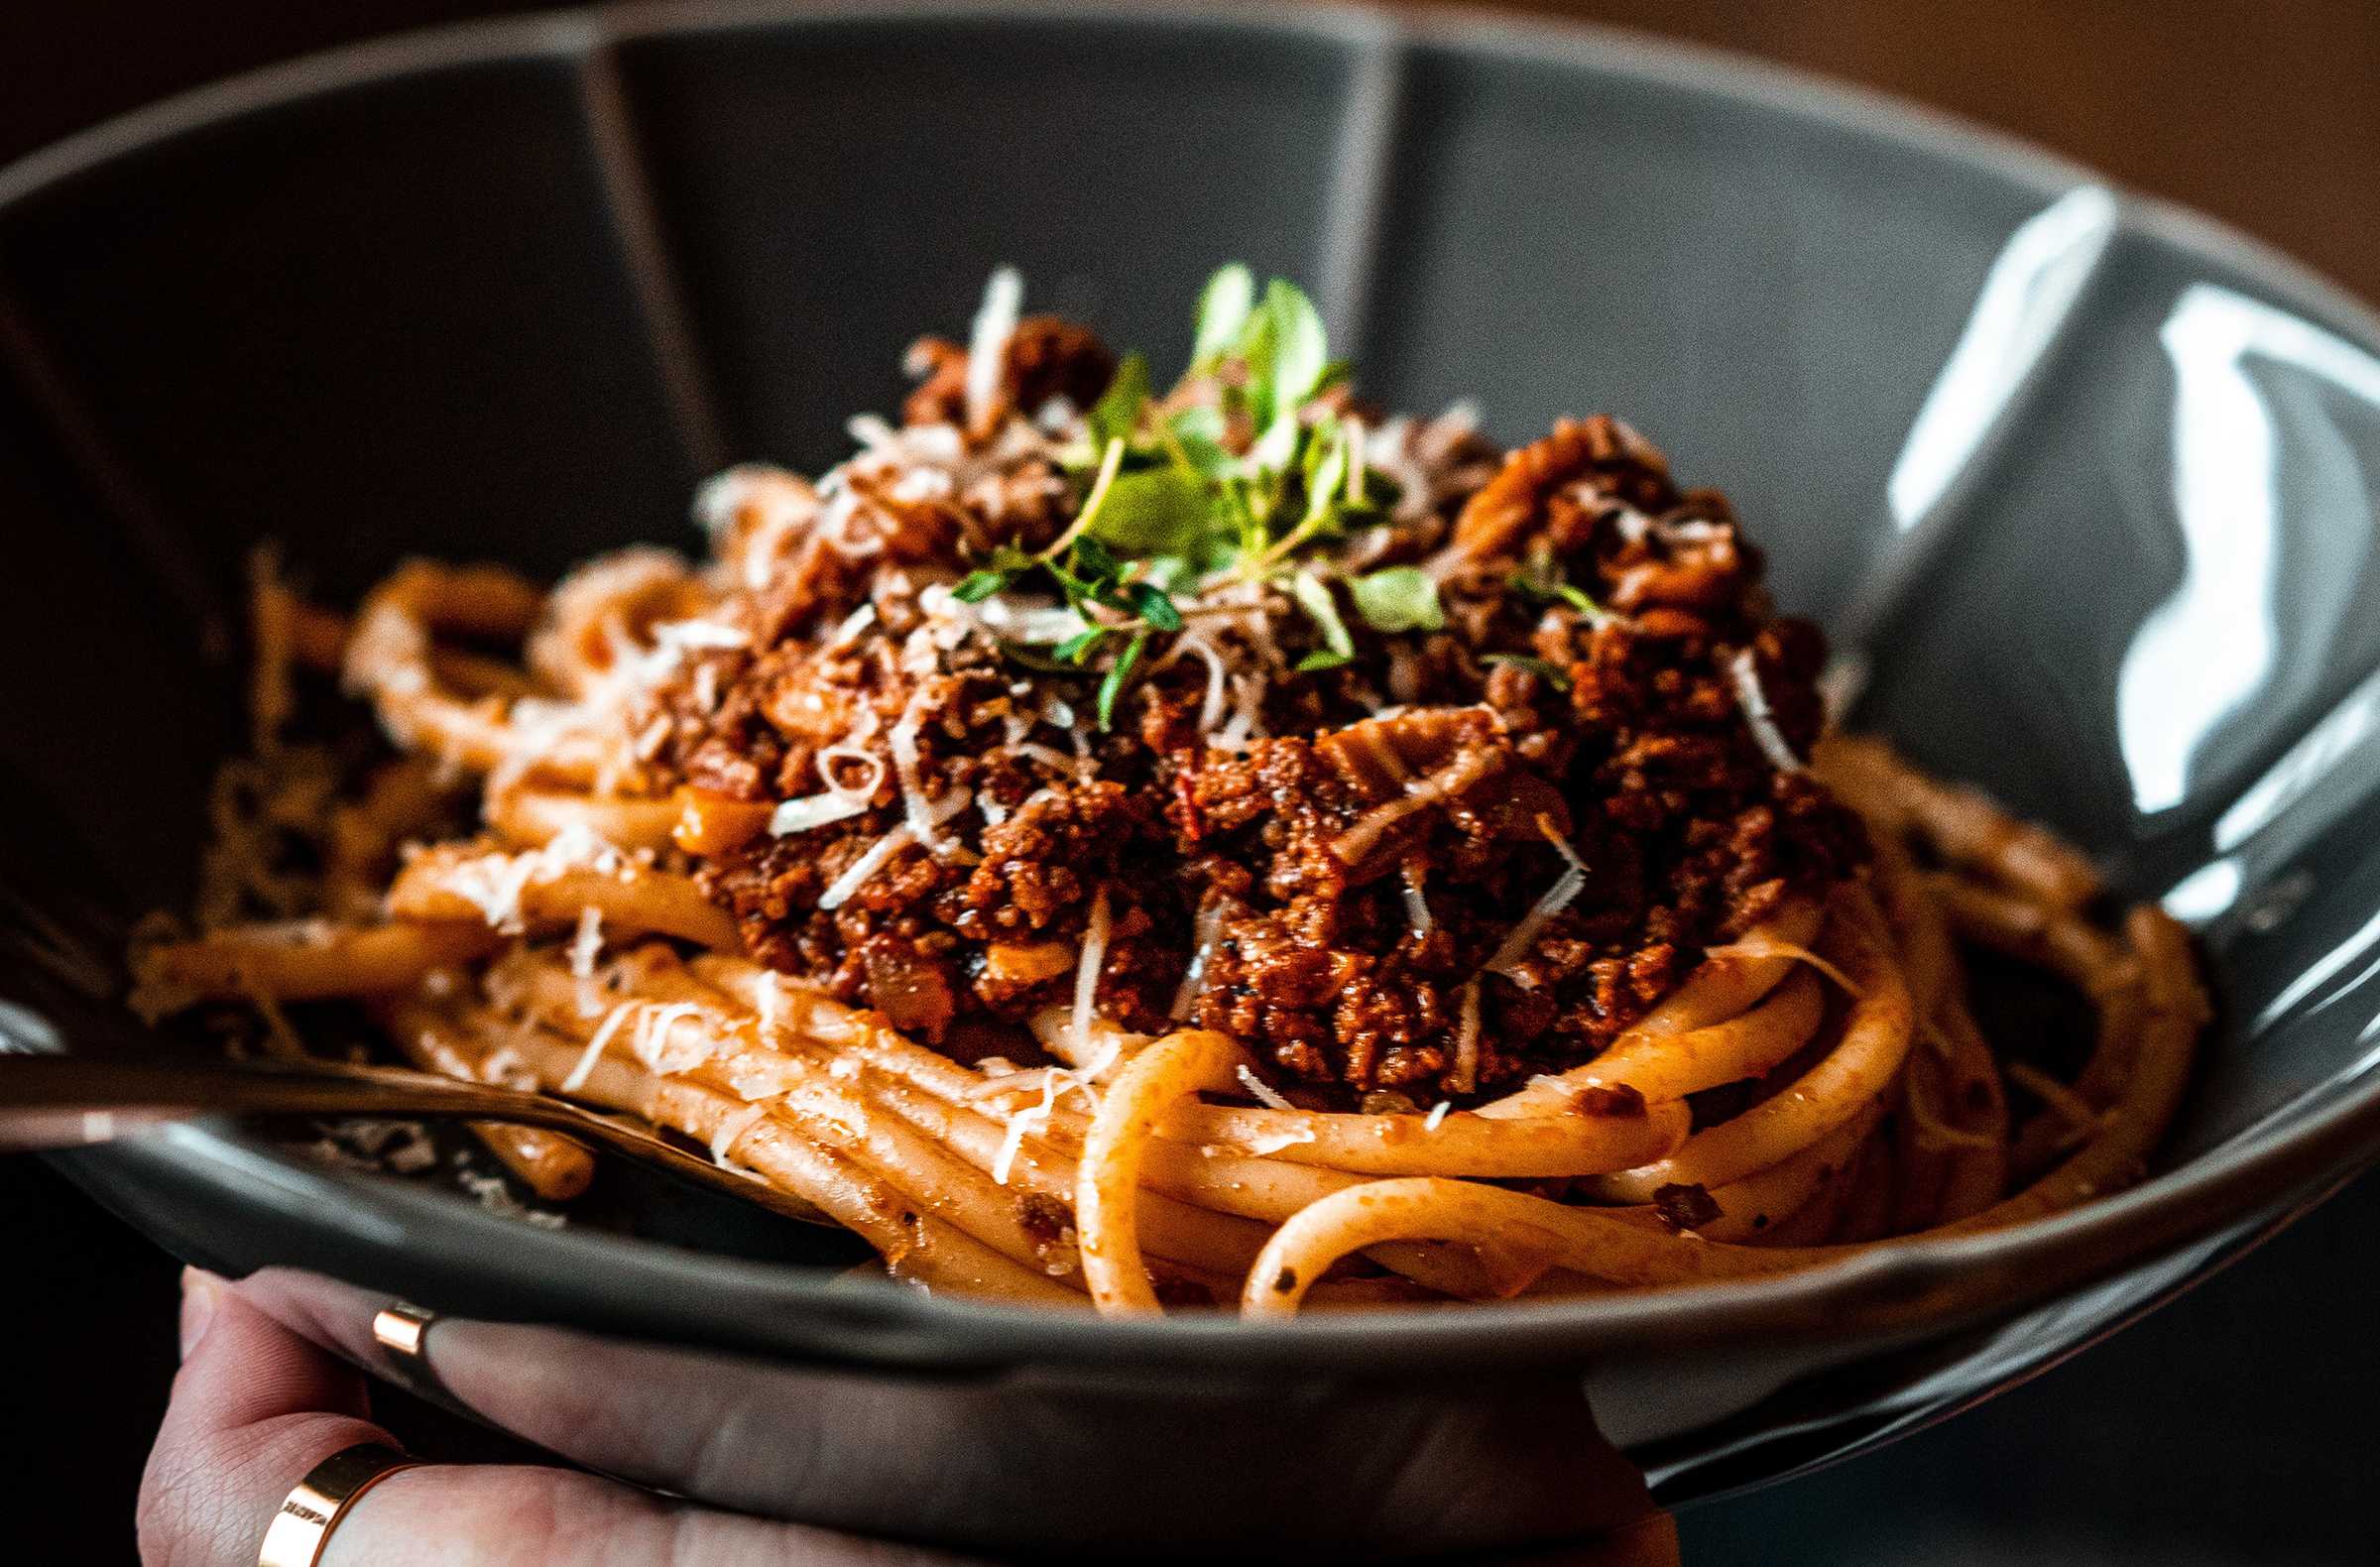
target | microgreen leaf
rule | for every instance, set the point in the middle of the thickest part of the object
(1275, 451)
(1542, 580)
(1078, 647)
(1112, 687)
(1579, 601)
(1093, 560)
(1154, 607)
(1325, 470)
(1300, 351)
(1223, 310)
(1313, 595)
(1117, 415)
(977, 586)
(1156, 512)
(1171, 502)
(1398, 598)
(1198, 442)
(1071, 587)
(1034, 658)
(1550, 673)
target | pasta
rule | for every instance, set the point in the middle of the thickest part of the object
(1220, 846)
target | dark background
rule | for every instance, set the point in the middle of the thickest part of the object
(2235, 1426)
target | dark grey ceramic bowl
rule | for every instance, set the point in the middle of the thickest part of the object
(2092, 482)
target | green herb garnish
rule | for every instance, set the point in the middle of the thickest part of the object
(1223, 308)
(1117, 415)
(1551, 674)
(1542, 580)
(1118, 673)
(1313, 595)
(1399, 598)
(1174, 500)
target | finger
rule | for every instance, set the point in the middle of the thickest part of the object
(254, 1407)
(509, 1515)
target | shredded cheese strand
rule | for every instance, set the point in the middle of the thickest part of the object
(1524, 939)
(1745, 671)
(1086, 974)
(584, 1067)
(812, 811)
(987, 340)
(585, 947)
(1207, 932)
(866, 864)
(1262, 1092)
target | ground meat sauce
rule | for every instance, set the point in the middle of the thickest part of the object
(1325, 876)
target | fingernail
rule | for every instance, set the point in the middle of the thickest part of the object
(197, 1307)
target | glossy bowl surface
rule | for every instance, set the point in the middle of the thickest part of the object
(2090, 481)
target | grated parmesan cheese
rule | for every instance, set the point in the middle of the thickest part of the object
(812, 811)
(1056, 1080)
(866, 866)
(1262, 1092)
(925, 816)
(1246, 721)
(1191, 645)
(691, 633)
(1026, 622)
(494, 883)
(585, 947)
(1086, 974)
(988, 341)
(1524, 939)
(848, 631)
(584, 1067)
(1206, 931)
(770, 999)
(1420, 795)
(872, 431)
(1745, 671)
(650, 1041)
(504, 1067)
(848, 751)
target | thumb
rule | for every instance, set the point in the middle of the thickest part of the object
(254, 1407)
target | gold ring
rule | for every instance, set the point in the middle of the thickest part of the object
(303, 1526)
(401, 1330)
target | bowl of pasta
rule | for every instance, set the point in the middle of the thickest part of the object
(1406, 781)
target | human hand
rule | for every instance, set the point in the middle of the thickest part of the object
(256, 1405)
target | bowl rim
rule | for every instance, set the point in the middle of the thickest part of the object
(2329, 1133)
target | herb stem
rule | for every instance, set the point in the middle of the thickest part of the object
(1108, 466)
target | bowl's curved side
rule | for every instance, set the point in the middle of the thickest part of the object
(505, 345)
